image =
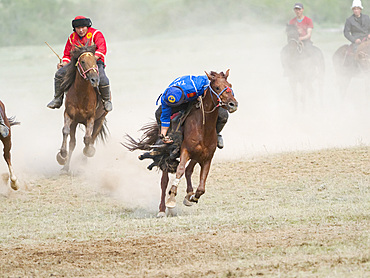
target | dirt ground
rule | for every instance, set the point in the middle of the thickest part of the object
(301, 214)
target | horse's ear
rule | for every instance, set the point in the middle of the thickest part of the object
(227, 74)
(208, 75)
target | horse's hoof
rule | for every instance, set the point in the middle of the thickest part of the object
(172, 211)
(161, 214)
(187, 203)
(65, 170)
(14, 184)
(89, 151)
(192, 198)
(61, 160)
(171, 202)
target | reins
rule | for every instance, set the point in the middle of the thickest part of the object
(81, 69)
(299, 45)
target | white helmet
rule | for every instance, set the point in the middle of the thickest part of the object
(357, 3)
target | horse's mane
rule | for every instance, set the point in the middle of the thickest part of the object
(70, 75)
(214, 74)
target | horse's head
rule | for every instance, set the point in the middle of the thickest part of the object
(294, 44)
(292, 32)
(83, 57)
(222, 88)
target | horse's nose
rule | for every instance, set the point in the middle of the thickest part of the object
(233, 106)
(94, 81)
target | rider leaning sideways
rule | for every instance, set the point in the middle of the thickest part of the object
(357, 26)
(83, 33)
(303, 23)
(176, 98)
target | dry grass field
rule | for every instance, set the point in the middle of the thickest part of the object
(288, 196)
(294, 214)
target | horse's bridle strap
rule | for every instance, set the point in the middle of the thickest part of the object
(81, 69)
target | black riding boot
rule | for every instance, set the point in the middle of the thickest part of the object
(105, 95)
(221, 122)
(58, 95)
(4, 130)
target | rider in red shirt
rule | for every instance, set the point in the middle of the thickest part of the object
(83, 33)
(303, 23)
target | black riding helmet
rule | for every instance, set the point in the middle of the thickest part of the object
(81, 21)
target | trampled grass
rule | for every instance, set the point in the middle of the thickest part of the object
(299, 214)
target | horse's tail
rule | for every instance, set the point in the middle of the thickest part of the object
(12, 121)
(147, 140)
(104, 132)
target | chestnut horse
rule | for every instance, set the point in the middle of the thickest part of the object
(83, 104)
(303, 64)
(7, 142)
(349, 62)
(199, 140)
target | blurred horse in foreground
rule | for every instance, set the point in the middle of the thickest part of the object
(195, 139)
(5, 136)
(350, 61)
(83, 104)
(303, 63)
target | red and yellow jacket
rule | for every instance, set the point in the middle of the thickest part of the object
(95, 36)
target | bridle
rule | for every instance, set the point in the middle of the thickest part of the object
(219, 104)
(81, 70)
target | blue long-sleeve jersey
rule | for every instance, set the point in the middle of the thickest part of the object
(191, 86)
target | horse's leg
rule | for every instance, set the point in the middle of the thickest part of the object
(204, 170)
(164, 183)
(89, 149)
(184, 157)
(72, 145)
(62, 156)
(189, 187)
(13, 179)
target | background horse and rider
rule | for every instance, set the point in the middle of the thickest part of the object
(351, 61)
(303, 63)
(5, 137)
(198, 141)
(83, 104)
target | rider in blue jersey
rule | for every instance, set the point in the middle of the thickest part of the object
(182, 91)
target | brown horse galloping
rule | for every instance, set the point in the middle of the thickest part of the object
(82, 104)
(8, 145)
(199, 140)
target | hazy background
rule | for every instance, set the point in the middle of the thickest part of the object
(152, 42)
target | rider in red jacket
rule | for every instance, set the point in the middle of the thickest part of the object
(83, 33)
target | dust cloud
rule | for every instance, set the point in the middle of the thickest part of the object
(267, 121)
